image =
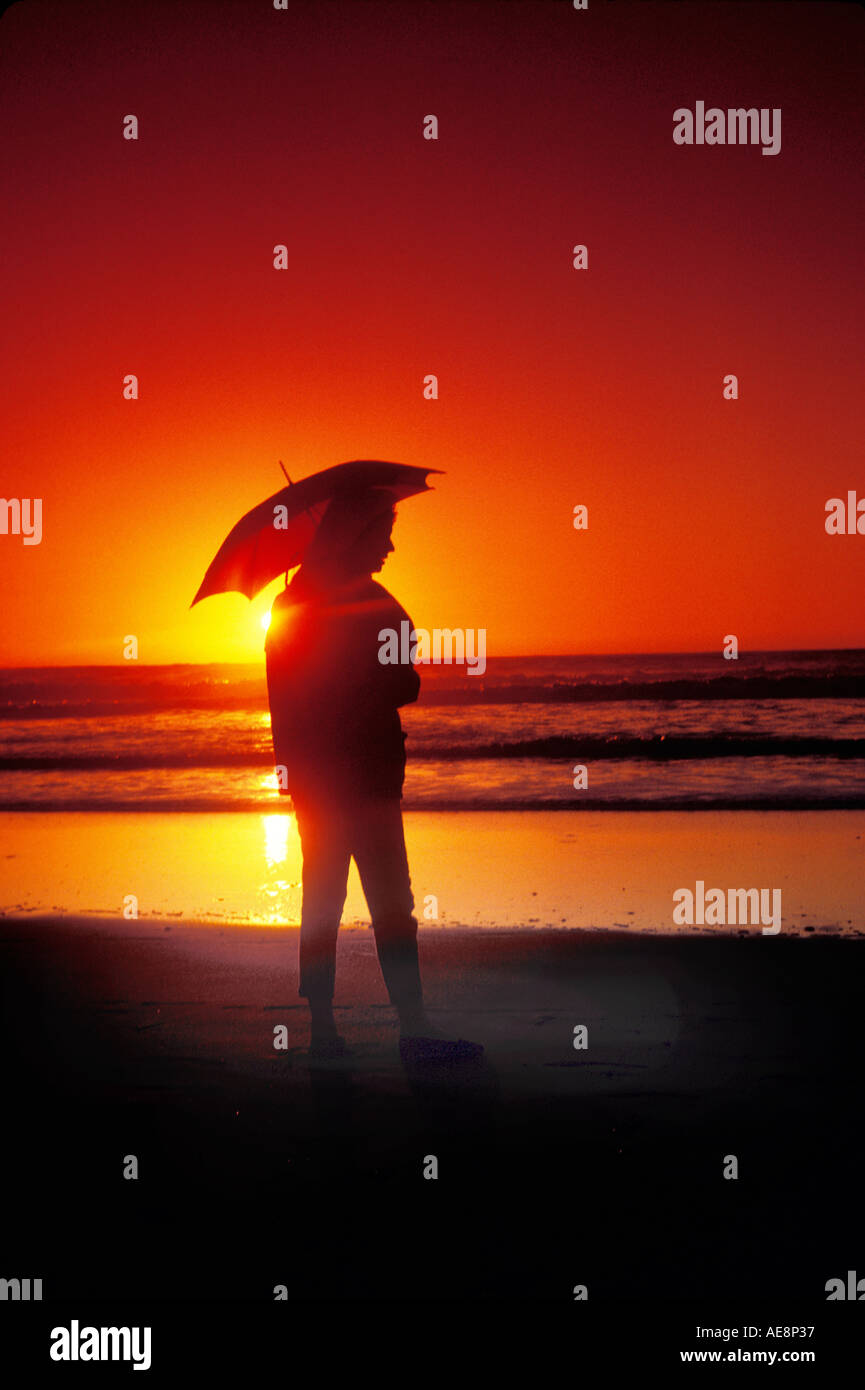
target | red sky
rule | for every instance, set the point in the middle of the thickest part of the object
(452, 257)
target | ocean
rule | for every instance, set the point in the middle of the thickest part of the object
(772, 730)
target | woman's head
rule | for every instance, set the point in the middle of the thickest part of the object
(372, 547)
(353, 539)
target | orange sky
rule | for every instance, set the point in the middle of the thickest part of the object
(408, 257)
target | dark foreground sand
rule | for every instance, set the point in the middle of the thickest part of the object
(556, 1167)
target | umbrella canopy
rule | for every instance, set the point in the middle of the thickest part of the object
(256, 550)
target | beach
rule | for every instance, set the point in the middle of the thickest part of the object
(557, 1166)
(505, 869)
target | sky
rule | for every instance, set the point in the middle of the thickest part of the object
(407, 257)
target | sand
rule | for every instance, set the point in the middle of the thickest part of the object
(556, 1165)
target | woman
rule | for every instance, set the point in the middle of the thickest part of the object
(339, 745)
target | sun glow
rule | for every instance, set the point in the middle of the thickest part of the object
(265, 621)
(277, 830)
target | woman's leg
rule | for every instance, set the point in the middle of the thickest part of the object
(326, 859)
(378, 845)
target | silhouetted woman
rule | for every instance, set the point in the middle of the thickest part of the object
(337, 735)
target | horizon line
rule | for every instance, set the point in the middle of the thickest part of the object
(518, 656)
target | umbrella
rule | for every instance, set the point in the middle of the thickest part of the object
(255, 551)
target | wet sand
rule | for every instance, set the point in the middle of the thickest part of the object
(557, 1166)
(614, 869)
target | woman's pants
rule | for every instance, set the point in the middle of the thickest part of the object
(370, 830)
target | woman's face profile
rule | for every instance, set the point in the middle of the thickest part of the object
(373, 545)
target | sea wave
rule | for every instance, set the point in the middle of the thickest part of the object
(105, 692)
(656, 749)
(814, 801)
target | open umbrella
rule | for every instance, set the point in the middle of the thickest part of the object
(275, 535)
